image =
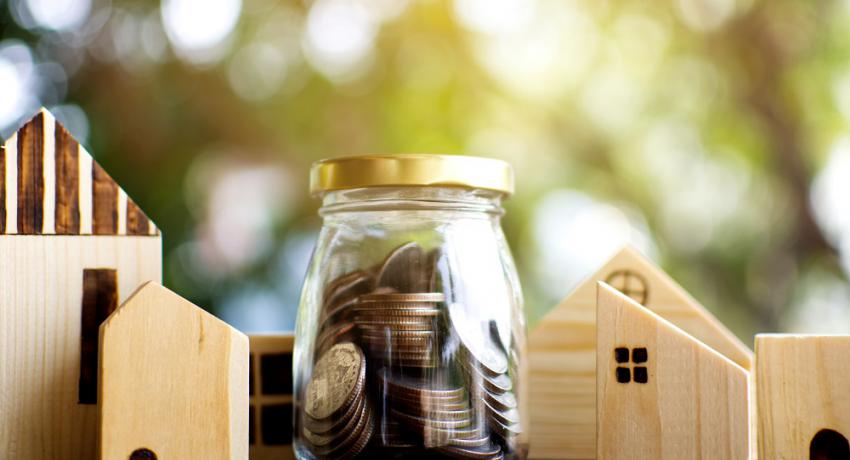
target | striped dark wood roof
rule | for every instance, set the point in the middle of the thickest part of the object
(50, 185)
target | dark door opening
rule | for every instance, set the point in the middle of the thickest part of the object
(829, 445)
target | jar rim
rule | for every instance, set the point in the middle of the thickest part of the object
(399, 170)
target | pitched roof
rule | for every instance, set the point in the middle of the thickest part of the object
(636, 276)
(50, 185)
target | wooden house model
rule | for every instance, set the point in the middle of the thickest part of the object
(802, 383)
(173, 381)
(662, 394)
(72, 247)
(270, 390)
(562, 351)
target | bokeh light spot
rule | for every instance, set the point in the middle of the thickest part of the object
(58, 14)
(339, 38)
(197, 28)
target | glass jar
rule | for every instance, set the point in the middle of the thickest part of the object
(410, 333)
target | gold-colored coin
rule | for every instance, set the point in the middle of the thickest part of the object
(395, 310)
(338, 378)
(378, 327)
(422, 297)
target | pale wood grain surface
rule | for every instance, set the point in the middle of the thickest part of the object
(173, 379)
(264, 345)
(693, 405)
(41, 291)
(562, 353)
(802, 386)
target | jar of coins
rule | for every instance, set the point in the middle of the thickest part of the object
(410, 336)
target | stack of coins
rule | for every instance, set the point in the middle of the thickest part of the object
(400, 330)
(338, 418)
(439, 384)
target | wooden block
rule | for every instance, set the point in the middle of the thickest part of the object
(803, 407)
(58, 282)
(271, 397)
(173, 381)
(562, 352)
(661, 393)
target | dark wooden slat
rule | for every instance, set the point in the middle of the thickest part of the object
(137, 221)
(2, 189)
(100, 298)
(104, 202)
(31, 176)
(67, 183)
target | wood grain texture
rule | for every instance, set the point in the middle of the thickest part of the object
(562, 352)
(173, 379)
(41, 290)
(31, 176)
(269, 393)
(680, 400)
(137, 221)
(104, 202)
(51, 185)
(802, 384)
(100, 298)
(67, 183)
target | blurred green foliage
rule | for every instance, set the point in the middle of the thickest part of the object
(695, 129)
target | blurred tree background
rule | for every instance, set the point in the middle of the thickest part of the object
(710, 134)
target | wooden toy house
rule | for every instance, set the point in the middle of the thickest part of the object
(562, 351)
(72, 247)
(271, 397)
(802, 383)
(173, 382)
(662, 394)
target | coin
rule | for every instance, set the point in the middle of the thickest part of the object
(345, 441)
(422, 422)
(395, 309)
(502, 402)
(345, 426)
(434, 387)
(476, 343)
(488, 451)
(508, 417)
(392, 325)
(504, 431)
(405, 269)
(420, 297)
(473, 442)
(499, 384)
(348, 285)
(338, 378)
(332, 335)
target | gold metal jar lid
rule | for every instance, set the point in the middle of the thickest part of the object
(411, 170)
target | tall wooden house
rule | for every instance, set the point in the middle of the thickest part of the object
(73, 245)
(173, 382)
(562, 351)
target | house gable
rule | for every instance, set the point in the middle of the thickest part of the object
(562, 351)
(660, 392)
(158, 341)
(50, 185)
